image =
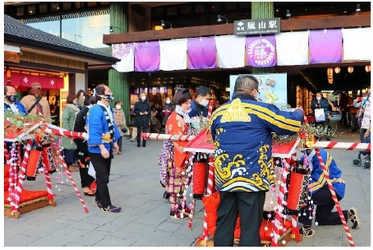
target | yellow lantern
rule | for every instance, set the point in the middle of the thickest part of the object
(350, 69)
(329, 71)
(337, 70)
(367, 68)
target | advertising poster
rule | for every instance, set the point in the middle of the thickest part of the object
(272, 88)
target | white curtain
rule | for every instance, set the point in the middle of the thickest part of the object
(231, 51)
(292, 48)
(357, 44)
(173, 54)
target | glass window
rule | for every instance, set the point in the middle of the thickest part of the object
(20, 11)
(55, 7)
(87, 30)
(199, 8)
(186, 9)
(31, 10)
(66, 6)
(172, 11)
(52, 27)
(43, 8)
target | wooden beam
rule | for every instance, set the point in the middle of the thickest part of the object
(351, 21)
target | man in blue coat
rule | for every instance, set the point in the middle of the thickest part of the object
(10, 101)
(199, 106)
(321, 195)
(244, 171)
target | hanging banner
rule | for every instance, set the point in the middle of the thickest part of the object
(201, 53)
(147, 56)
(261, 51)
(124, 52)
(292, 48)
(325, 46)
(46, 82)
(231, 51)
(272, 88)
(173, 54)
(356, 44)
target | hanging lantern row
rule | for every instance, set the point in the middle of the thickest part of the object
(367, 68)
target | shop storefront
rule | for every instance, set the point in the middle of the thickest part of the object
(59, 65)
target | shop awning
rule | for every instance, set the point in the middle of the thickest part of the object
(46, 82)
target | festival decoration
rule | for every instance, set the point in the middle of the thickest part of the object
(19, 129)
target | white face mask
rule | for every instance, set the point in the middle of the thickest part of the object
(204, 102)
(143, 98)
(318, 98)
(168, 101)
(118, 107)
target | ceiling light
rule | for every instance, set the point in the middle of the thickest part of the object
(163, 23)
(220, 19)
(358, 9)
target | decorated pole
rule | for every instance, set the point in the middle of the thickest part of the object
(210, 186)
(22, 173)
(334, 197)
(209, 114)
(166, 137)
(49, 186)
(349, 146)
(52, 129)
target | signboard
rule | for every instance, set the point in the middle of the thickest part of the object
(257, 26)
(11, 57)
(272, 88)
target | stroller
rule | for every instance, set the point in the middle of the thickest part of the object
(363, 158)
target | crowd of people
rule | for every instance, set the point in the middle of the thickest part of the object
(243, 174)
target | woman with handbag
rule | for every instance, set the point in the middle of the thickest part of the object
(120, 121)
(320, 107)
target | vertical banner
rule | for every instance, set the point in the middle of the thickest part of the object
(173, 54)
(357, 44)
(201, 53)
(261, 51)
(325, 46)
(272, 88)
(124, 52)
(147, 56)
(292, 48)
(231, 51)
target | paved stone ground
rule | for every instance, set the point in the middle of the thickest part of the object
(144, 220)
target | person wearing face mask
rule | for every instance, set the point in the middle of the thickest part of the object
(241, 130)
(352, 110)
(10, 101)
(142, 118)
(168, 107)
(35, 99)
(103, 135)
(365, 123)
(200, 104)
(322, 103)
(120, 121)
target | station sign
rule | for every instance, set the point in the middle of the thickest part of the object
(257, 26)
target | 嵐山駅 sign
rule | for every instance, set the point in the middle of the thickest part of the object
(257, 26)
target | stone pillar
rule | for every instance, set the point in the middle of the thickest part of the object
(262, 10)
(118, 82)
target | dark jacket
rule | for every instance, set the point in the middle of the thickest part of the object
(197, 109)
(141, 120)
(79, 126)
(324, 104)
(248, 123)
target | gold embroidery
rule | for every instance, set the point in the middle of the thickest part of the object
(235, 113)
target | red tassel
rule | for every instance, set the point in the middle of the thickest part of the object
(199, 178)
(32, 164)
